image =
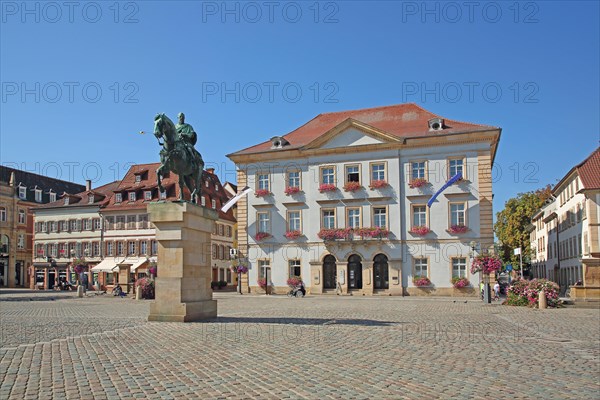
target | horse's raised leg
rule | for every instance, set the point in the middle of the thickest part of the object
(189, 184)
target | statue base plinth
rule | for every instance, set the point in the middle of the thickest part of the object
(182, 285)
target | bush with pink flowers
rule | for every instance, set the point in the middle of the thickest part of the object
(526, 293)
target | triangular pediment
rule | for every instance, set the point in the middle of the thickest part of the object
(351, 133)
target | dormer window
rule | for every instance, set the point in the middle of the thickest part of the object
(138, 178)
(214, 204)
(206, 183)
(66, 201)
(163, 194)
(436, 124)
(278, 142)
(22, 192)
(147, 195)
(131, 196)
(38, 195)
(118, 197)
(52, 196)
(90, 198)
(217, 188)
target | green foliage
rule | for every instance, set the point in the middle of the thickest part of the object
(516, 300)
(511, 223)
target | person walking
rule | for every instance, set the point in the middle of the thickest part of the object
(497, 291)
(481, 286)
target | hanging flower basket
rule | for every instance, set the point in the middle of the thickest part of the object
(417, 183)
(262, 192)
(352, 186)
(378, 184)
(79, 268)
(241, 269)
(458, 229)
(486, 264)
(327, 187)
(290, 190)
(460, 283)
(420, 230)
(421, 281)
(292, 235)
(261, 236)
(152, 270)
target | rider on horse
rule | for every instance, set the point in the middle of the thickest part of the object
(188, 137)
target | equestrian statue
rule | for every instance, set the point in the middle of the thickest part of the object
(179, 155)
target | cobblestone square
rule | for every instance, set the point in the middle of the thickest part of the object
(55, 345)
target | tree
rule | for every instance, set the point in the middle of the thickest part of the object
(511, 223)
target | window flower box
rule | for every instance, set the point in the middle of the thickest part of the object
(290, 190)
(333, 234)
(294, 281)
(373, 233)
(327, 187)
(421, 281)
(261, 236)
(352, 186)
(379, 184)
(420, 230)
(262, 282)
(418, 182)
(457, 229)
(292, 235)
(262, 193)
(460, 283)
(486, 264)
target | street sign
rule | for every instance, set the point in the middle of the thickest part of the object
(509, 267)
(517, 251)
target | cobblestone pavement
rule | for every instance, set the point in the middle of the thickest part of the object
(101, 347)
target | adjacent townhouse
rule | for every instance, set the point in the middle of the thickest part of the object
(109, 227)
(565, 239)
(66, 229)
(20, 191)
(342, 202)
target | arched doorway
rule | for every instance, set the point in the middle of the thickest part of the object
(380, 272)
(329, 272)
(354, 272)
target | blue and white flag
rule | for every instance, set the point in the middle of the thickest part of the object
(450, 182)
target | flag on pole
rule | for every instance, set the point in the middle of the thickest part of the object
(235, 199)
(450, 182)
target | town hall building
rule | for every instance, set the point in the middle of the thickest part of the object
(342, 202)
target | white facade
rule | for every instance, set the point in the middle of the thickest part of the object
(356, 155)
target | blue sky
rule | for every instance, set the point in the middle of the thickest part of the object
(79, 83)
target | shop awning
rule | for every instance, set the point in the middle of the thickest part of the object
(107, 265)
(50, 265)
(133, 262)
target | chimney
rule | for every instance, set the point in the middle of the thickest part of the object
(88, 185)
(210, 171)
(12, 179)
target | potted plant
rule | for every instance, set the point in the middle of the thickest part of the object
(421, 281)
(290, 190)
(352, 186)
(378, 184)
(79, 267)
(460, 283)
(292, 235)
(417, 183)
(327, 187)
(420, 230)
(146, 285)
(221, 284)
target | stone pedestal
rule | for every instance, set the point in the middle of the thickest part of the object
(183, 292)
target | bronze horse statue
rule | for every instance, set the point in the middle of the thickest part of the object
(179, 156)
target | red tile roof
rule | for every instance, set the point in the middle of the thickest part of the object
(402, 120)
(589, 171)
(101, 194)
(170, 183)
